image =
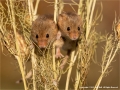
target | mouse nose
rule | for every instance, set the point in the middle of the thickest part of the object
(74, 36)
(42, 44)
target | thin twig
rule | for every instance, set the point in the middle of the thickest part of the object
(79, 7)
(16, 43)
(109, 60)
(34, 64)
(72, 61)
(74, 2)
(60, 6)
(90, 16)
(55, 11)
(36, 7)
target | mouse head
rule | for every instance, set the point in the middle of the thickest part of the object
(70, 25)
(44, 31)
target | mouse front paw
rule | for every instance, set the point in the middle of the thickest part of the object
(59, 55)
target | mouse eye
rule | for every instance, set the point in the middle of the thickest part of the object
(37, 36)
(68, 28)
(78, 28)
(47, 35)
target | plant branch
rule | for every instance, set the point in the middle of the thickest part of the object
(13, 22)
(72, 61)
(36, 7)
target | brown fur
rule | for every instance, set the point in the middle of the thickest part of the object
(69, 38)
(42, 26)
(71, 20)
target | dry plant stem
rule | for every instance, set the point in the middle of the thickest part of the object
(72, 61)
(48, 1)
(74, 2)
(55, 10)
(53, 50)
(91, 5)
(69, 71)
(61, 6)
(79, 6)
(77, 80)
(34, 64)
(30, 7)
(72, 8)
(46, 88)
(70, 3)
(36, 7)
(91, 16)
(54, 64)
(18, 57)
(109, 61)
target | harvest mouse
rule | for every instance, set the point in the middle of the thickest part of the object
(44, 31)
(69, 25)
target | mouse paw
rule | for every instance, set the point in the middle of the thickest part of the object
(59, 55)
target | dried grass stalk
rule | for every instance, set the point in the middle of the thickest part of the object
(110, 50)
(46, 73)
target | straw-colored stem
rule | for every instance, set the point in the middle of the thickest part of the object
(79, 6)
(34, 64)
(16, 44)
(72, 61)
(69, 4)
(106, 67)
(46, 88)
(55, 11)
(22, 72)
(31, 6)
(48, 1)
(74, 2)
(69, 71)
(77, 80)
(36, 7)
(53, 50)
(78, 74)
(90, 16)
(30, 11)
(98, 82)
(54, 64)
(61, 6)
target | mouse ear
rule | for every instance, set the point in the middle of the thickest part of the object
(62, 16)
(52, 24)
(58, 35)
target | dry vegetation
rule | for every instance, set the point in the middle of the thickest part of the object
(15, 26)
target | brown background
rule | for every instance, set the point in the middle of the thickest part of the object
(9, 73)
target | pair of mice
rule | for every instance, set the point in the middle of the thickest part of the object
(64, 34)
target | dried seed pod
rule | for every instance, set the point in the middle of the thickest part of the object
(118, 31)
(27, 19)
(24, 50)
(9, 42)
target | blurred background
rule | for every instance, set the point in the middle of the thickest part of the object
(9, 72)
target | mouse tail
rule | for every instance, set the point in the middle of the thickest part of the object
(29, 74)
